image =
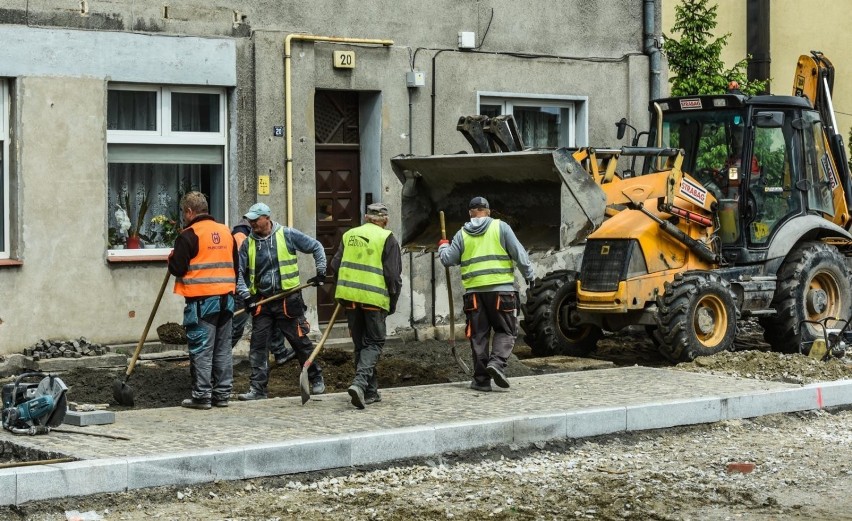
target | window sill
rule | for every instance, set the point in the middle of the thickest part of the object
(138, 255)
(10, 263)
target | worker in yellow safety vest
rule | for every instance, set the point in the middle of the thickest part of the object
(268, 266)
(368, 272)
(487, 251)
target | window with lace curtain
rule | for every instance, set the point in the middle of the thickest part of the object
(4, 170)
(162, 143)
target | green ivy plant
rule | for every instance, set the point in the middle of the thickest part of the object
(695, 57)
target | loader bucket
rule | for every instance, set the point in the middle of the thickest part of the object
(545, 195)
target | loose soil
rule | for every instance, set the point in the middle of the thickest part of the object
(801, 461)
(166, 383)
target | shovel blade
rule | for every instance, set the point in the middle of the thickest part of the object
(463, 366)
(122, 393)
(304, 386)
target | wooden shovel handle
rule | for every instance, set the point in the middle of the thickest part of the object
(276, 297)
(325, 334)
(449, 285)
(148, 325)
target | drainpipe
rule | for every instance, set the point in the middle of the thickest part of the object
(757, 40)
(288, 95)
(650, 47)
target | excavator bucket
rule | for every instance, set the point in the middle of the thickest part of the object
(545, 195)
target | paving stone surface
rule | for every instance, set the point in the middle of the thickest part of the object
(170, 430)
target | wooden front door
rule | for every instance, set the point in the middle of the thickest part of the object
(338, 178)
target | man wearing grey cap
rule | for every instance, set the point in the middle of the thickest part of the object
(368, 273)
(487, 250)
(268, 265)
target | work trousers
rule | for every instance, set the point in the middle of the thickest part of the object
(487, 311)
(208, 331)
(288, 316)
(276, 339)
(368, 332)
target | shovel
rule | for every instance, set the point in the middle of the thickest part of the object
(304, 384)
(458, 360)
(122, 392)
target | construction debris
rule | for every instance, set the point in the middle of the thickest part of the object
(44, 349)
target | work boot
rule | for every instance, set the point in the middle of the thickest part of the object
(192, 403)
(357, 396)
(318, 385)
(498, 376)
(251, 395)
(476, 387)
(284, 356)
(372, 398)
(220, 403)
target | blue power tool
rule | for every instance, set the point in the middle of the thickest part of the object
(34, 407)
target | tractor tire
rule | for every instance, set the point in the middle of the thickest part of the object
(697, 317)
(543, 332)
(813, 284)
(654, 334)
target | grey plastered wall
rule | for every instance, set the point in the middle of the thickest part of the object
(240, 45)
(65, 289)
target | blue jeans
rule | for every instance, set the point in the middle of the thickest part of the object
(208, 330)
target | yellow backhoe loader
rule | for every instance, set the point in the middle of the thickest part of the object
(739, 209)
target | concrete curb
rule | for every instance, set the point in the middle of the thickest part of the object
(79, 478)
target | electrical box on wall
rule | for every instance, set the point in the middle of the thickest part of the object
(415, 79)
(467, 40)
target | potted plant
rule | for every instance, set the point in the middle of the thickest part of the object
(115, 239)
(133, 232)
(167, 230)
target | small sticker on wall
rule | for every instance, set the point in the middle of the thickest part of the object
(263, 185)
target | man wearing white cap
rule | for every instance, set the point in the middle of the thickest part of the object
(487, 250)
(268, 265)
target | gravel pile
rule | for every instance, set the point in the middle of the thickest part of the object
(767, 365)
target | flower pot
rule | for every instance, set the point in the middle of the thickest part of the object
(133, 243)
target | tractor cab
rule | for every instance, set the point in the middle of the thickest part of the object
(763, 158)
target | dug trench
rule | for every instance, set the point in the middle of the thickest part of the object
(165, 383)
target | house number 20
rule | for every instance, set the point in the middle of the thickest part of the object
(344, 59)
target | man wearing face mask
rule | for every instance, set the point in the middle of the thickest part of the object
(487, 251)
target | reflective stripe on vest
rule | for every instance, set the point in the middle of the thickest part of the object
(361, 276)
(288, 264)
(484, 262)
(212, 271)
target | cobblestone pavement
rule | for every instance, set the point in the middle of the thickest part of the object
(170, 430)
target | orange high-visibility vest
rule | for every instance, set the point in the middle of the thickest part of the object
(240, 237)
(212, 271)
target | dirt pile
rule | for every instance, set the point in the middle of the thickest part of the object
(171, 333)
(778, 367)
(165, 383)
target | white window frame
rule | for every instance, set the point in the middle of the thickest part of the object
(5, 247)
(576, 122)
(165, 136)
(164, 133)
